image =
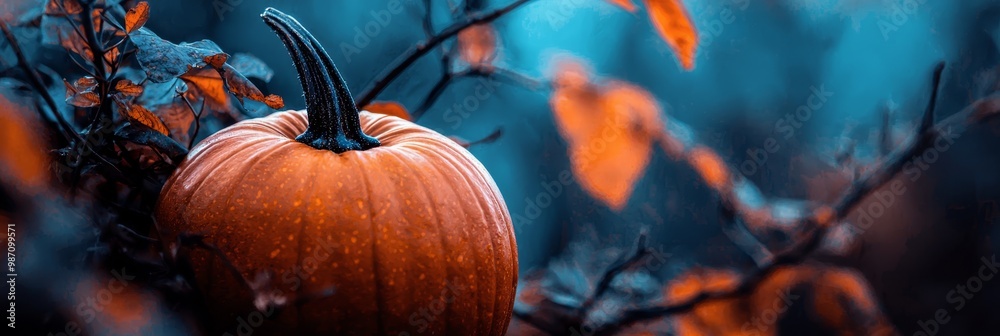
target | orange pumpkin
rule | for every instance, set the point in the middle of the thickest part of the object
(366, 224)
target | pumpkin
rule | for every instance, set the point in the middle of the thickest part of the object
(352, 222)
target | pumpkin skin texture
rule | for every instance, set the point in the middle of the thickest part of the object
(412, 235)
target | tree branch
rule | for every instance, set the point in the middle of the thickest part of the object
(411, 56)
(926, 135)
(68, 131)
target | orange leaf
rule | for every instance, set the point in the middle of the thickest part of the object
(389, 108)
(839, 292)
(136, 17)
(710, 167)
(607, 129)
(138, 114)
(22, 159)
(674, 26)
(624, 4)
(128, 88)
(477, 45)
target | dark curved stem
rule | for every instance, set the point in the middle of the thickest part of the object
(422, 49)
(333, 117)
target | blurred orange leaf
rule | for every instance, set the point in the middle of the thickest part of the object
(624, 4)
(674, 26)
(710, 167)
(715, 317)
(22, 158)
(477, 45)
(608, 131)
(389, 108)
(136, 17)
(845, 302)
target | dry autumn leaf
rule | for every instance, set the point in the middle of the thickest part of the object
(136, 17)
(675, 27)
(81, 93)
(477, 45)
(241, 87)
(389, 108)
(609, 130)
(138, 114)
(128, 88)
(178, 118)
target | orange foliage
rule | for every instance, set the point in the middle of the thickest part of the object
(710, 167)
(674, 26)
(609, 130)
(389, 108)
(624, 4)
(477, 45)
(21, 155)
(712, 317)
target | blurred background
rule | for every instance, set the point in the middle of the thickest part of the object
(758, 61)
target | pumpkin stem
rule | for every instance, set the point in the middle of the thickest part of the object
(333, 118)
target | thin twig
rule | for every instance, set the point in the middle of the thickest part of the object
(926, 135)
(414, 54)
(67, 130)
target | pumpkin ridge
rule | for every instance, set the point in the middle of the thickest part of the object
(374, 234)
(301, 245)
(502, 211)
(432, 199)
(196, 190)
(450, 160)
(428, 152)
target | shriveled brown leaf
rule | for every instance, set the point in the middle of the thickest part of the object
(241, 87)
(128, 88)
(178, 118)
(207, 84)
(136, 17)
(216, 60)
(63, 7)
(138, 114)
(674, 25)
(389, 108)
(81, 92)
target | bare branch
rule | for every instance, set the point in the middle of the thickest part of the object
(382, 81)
